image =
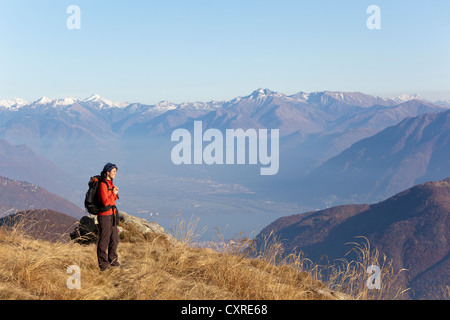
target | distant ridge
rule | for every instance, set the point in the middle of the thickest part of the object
(20, 196)
(43, 224)
(356, 98)
(412, 228)
(414, 151)
(19, 162)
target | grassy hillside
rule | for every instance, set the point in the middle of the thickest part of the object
(155, 268)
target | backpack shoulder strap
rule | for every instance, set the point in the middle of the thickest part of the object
(102, 180)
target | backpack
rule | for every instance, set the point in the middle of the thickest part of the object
(91, 201)
(86, 232)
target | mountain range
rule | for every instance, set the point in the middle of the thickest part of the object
(318, 131)
(331, 121)
(304, 112)
(412, 228)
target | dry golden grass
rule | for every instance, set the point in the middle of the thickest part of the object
(352, 277)
(154, 268)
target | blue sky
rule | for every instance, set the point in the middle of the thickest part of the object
(180, 50)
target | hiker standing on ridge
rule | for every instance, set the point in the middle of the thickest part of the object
(108, 219)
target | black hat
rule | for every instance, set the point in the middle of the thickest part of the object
(108, 167)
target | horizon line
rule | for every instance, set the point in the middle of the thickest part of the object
(410, 96)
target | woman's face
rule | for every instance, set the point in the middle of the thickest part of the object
(112, 173)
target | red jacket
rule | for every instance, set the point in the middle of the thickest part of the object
(107, 196)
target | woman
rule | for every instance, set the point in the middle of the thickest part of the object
(108, 219)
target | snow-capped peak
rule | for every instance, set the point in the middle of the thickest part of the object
(443, 103)
(13, 103)
(262, 92)
(96, 97)
(66, 101)
(164, 103)
(98, 100)
(55, 102)
(164, 106)
(101, 102)
(43, 100)
(407, 97)
(300, 96)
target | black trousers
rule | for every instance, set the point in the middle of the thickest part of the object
(108, 239)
